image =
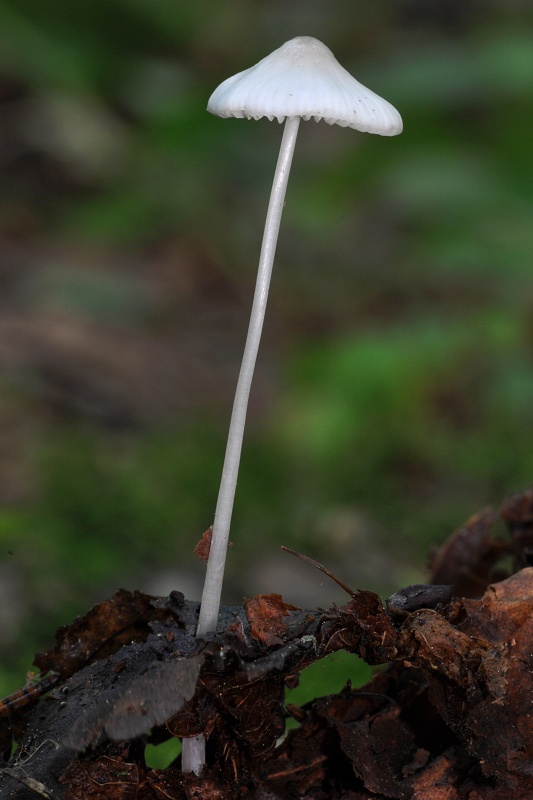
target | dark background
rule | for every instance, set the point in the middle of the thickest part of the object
(394, 391)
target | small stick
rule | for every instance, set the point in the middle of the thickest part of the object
(322, 568)
(30, 783)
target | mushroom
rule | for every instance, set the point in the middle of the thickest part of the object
(303, 79)
(300, 80)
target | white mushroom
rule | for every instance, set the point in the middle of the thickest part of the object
(303, 79)
(300, 80)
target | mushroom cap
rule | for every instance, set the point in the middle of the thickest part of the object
(302, 78)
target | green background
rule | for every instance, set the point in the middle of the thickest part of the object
(394, 391)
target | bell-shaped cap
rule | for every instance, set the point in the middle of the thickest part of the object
(302, 78)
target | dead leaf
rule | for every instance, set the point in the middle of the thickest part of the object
(203, 547)
(266, 616)
(143, 703)
(124, 618)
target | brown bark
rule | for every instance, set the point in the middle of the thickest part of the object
(448, 719)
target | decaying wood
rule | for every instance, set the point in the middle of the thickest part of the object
(448, 718)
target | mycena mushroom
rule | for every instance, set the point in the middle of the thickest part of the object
(300, 80)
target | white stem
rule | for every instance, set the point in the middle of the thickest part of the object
(193, 749)
(207, 621)
(193, 754)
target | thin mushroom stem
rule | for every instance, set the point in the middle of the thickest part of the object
(207, 621)
(193, 749)
(193, 754)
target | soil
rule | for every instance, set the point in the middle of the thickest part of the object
(447, 716)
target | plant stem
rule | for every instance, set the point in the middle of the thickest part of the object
(193, 749)
(207, 621)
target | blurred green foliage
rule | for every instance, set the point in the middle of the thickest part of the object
(328, 677)
(399, 339)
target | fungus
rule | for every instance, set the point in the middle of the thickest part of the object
(300, 80)
(303, 79)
